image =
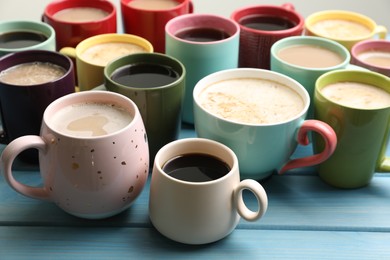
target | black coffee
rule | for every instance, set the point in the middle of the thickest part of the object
(202, 34)
(21, 39)
(266, 23)
(196, 168)
(145, 75)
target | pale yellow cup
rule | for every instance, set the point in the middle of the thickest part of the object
(91, 74)
(344, 27)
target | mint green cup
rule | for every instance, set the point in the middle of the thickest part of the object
(307, 76)
(362, 133)
(48, 44)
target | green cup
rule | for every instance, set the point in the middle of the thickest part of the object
(16, 36)
(362, 133)
(159, 102)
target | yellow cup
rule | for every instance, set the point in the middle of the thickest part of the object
(344, 27)
(90, 73)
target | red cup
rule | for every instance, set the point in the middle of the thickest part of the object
(69, 34)
(255, 44)
(150, 24)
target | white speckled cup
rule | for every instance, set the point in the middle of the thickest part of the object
(90, 177)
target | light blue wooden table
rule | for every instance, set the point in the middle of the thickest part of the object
(306, 219)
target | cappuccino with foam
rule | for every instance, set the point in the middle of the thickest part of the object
(251, 101)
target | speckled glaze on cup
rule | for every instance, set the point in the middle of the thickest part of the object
(89, 177)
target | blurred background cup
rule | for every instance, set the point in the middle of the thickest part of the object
(305, 58)
(75, 20)
(156, 84)
(16, 36)
(261, 26)
(94, 53)
(356, 104)
(204, 43)
(93, 155)
(260, 115)
(345, 27)
(373, 55)
(148, 18)
(29, 82)
(200, 206)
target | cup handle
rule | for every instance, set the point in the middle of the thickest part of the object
(191, 7)
(69, 51)
(260, 195)
(8, 156)
(330, 140)
(288, 6)
(381, 31)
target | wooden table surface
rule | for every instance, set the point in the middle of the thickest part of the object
(306, 219)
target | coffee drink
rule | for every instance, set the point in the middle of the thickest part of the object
(145, 75)
(202, 34)
(376, 58)
(266, 23)
(90, 119)
(101, 54)
(310, 56)
(341, 29)
(357, 95)
(32, 73)
(251, 101)
(196, 167)
(153, 4)
(21, 39)
(80, 14)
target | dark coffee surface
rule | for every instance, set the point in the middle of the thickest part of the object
(20, 39)
(202, 34)
(145, 75)
(266, 23)
(196, 168)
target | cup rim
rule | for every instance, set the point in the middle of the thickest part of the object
(237, 15)
(202, 147)
(365, 46)
(140, 56)
(44, 28)
(250, 73)
(124, 3)
(74, 3)
(207, 18)
(97, 96)
(311, 40)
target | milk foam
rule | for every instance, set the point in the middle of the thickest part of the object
(251, 100)
(341, 29)
(90, 119)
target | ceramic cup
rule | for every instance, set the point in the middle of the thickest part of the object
(159, 99)
(255, 42)
(93, 154)
(94, 53)
(345, 27)
(262, 136)
(362, 131)
(22, 106)
(373, 55)
(305, 58)
(75, 20)
(148, 18)
(16, 36)
(202, 52)
(206, 210)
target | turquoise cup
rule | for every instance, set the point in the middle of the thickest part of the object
(201, 58)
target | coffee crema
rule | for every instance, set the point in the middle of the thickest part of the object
(90, 119)
(196, 167)
(266, 22)
(376, 58)
(357, 95)
(80, 14)
(32, 73)
(251, 101)
(341, 29)
(21, 39)
(310, 56)
(153, 4)
(202, 34)
(101, 54)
